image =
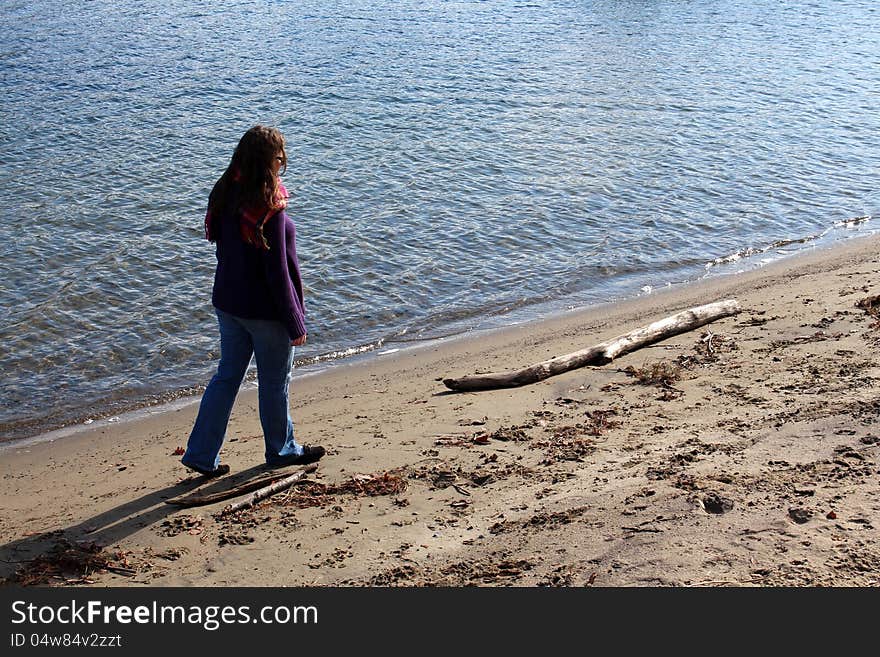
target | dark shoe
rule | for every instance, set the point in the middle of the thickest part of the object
(218, 472)
(311, 453)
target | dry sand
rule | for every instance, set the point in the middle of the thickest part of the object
(749, 459)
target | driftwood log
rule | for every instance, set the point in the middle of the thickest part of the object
(263, 493)
(601, 353)
(241, 489)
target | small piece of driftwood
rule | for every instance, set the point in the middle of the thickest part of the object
(601, 353)
(263, 493)
(235, 491)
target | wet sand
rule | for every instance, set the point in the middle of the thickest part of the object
(742, 453)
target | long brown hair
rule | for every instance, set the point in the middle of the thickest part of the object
(252, 172)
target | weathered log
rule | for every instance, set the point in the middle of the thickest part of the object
(235, 491)
(263, 493)
(599, 354)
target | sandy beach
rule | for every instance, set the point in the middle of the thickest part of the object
(742, 453)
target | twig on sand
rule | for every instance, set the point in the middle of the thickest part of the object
(724, 582)
(262, 493)
(128, 572)
(235, 491)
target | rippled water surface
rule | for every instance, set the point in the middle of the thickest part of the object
(452, 164)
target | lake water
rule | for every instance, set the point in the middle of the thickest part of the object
(454, 165)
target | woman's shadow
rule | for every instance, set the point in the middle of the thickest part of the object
(112, 526)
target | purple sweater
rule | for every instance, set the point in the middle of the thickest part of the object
(257, 284)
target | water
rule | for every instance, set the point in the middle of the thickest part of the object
(453, 164)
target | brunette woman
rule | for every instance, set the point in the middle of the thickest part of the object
(258, 298)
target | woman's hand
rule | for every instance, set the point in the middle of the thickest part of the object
(299, 342)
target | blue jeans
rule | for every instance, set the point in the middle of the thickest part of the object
(240, 338)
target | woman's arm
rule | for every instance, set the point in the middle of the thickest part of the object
(280, 275)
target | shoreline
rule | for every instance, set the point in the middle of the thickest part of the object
(170, 400)
(766, 441)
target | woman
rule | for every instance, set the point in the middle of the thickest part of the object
(258, 297)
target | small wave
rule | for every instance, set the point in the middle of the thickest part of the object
(850, 223)
(780, 244)
(340, 354)
(753, 251)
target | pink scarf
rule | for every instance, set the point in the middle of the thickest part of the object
(252, 219)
